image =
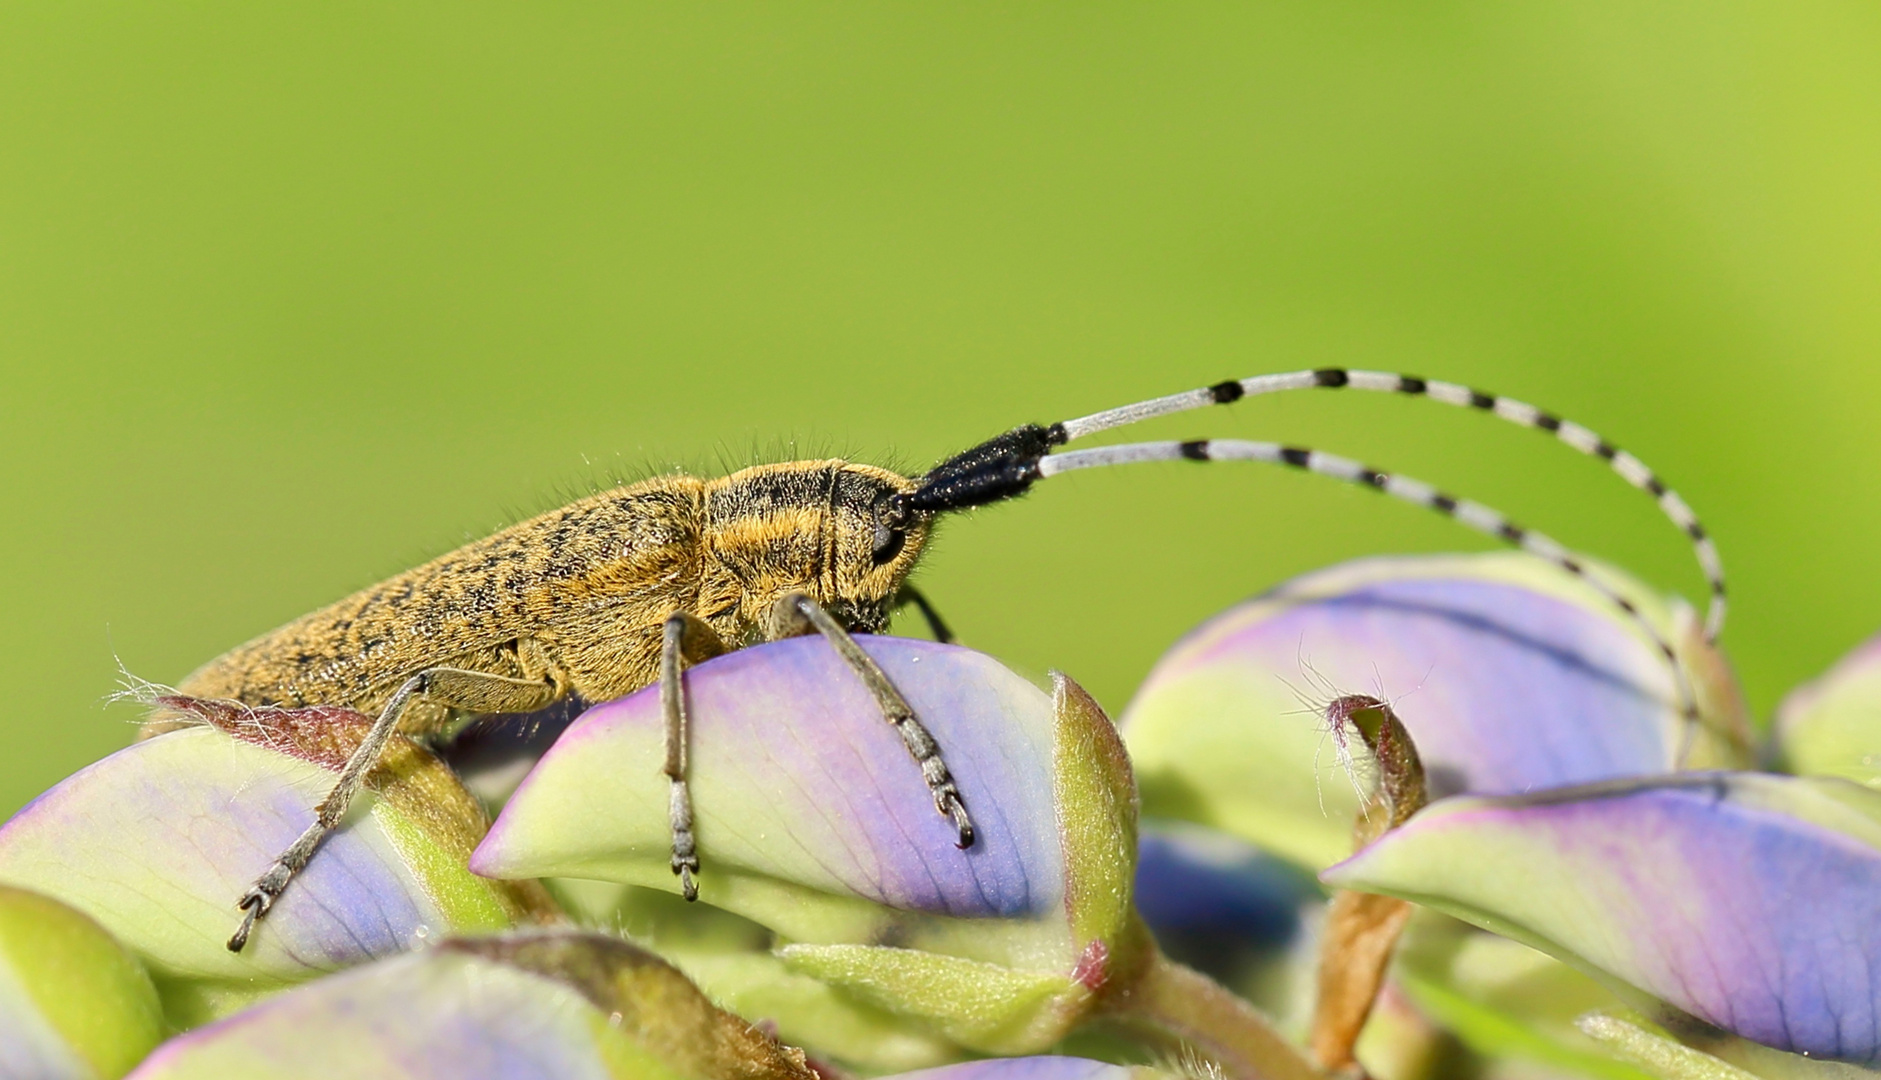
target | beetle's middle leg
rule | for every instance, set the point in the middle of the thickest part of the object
(454, 688)
(684, 639)
(797, 614)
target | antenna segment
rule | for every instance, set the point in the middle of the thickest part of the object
(1630, 468)
(1007, 465)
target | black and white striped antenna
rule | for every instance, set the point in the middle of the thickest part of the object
(1008, 465)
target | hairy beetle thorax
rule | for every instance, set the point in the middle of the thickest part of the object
(815, 527)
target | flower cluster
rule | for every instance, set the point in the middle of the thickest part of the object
(1402, 818)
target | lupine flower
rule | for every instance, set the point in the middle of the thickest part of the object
(1722, 906)
(562, 1004)
(1216, 901)
(1509, 675)
(1034, 1068)
(1749, 901)
(813, 821)
(1731, 906)
(158, 840)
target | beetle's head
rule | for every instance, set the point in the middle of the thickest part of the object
(837, 531)
(875, 542)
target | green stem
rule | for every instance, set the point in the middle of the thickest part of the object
(1178, 1008)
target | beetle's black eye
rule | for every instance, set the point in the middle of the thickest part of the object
(887, 543)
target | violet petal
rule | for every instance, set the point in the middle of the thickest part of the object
(1510, 676)
(563, 1004)
(1750, 901)
(1203, 891)
(1031, 1068)
(158, 840)
(797, 781)
(410, 1018)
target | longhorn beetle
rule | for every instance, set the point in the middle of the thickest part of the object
(622, 589)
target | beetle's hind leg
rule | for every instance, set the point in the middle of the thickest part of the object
(451, 687)
(797, 614)
(685, 640)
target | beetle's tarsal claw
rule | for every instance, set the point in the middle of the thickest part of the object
(957, 810)
(260, 897)
(685, 864)
(255, 903)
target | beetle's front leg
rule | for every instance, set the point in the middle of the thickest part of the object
(685, 639)
(795, 615)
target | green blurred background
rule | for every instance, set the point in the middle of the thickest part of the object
(291, 301)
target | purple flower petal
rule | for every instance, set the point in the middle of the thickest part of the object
(813, 820)
(797, 779)
(1207, 890)
(158, 840)
(1750, 901)
(1029, 1068)
(1832, 726)
(561, 1004)
(1510, 676)
(408, 1018)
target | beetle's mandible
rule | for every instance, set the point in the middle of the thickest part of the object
(622, 589)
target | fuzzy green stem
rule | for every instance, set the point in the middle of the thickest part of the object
(1177, 1009)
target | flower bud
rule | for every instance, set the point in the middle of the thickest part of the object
(525, 1005)
(74, 1005)
(1037, 1068)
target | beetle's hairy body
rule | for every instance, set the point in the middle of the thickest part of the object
(577, 597)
